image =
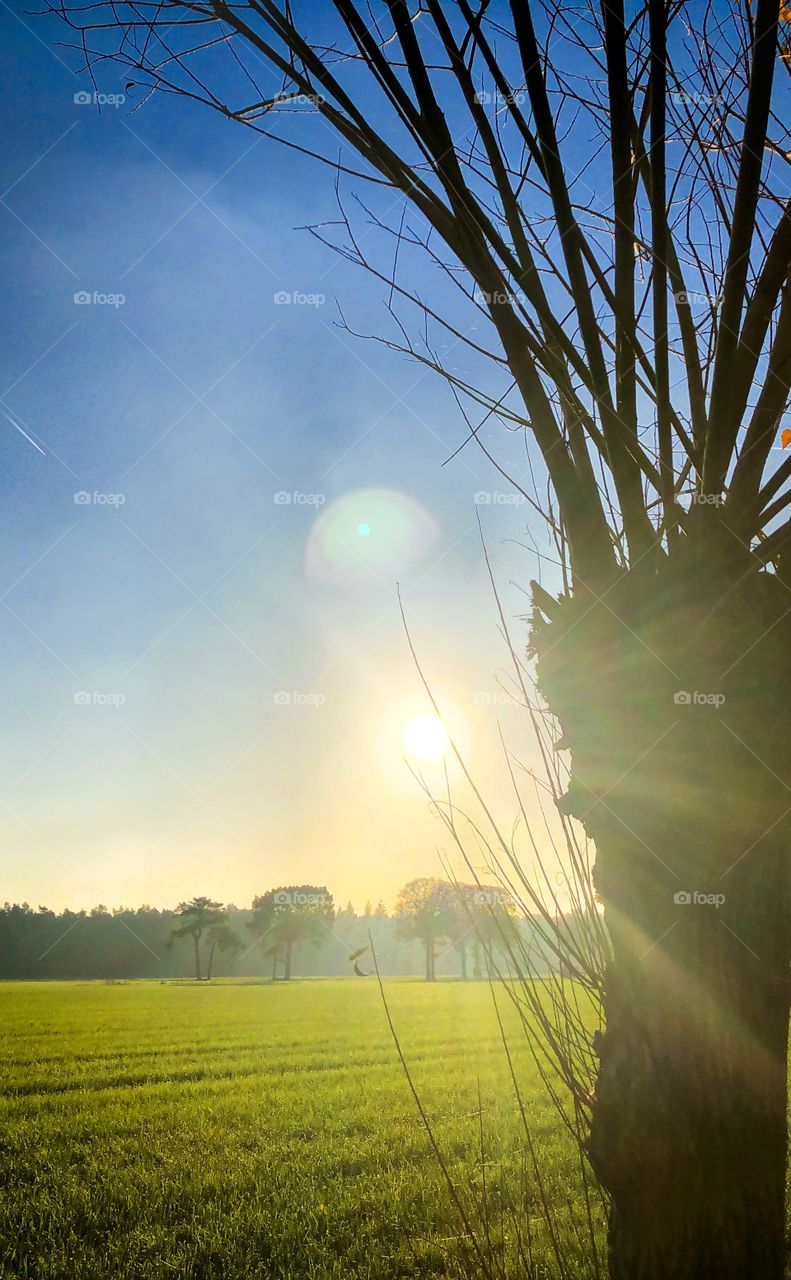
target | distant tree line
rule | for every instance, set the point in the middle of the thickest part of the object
(437, 929)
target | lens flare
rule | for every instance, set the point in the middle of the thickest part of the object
(369, 537)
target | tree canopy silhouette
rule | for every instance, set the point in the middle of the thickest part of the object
(287, 917)
(203, 917)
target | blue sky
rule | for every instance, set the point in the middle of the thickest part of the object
(176, 592)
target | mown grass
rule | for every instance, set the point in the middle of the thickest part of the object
(251, 1130)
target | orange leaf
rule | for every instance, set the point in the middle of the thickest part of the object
(785, 438)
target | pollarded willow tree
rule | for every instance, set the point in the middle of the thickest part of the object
(606, 192)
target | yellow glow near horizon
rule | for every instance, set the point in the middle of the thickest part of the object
(425, 737)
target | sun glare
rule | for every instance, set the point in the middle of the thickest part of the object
(425, 737)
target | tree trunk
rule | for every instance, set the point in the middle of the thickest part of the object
(463, 958)
(429, 959)
(196, 940)
(287, 973)
(687, 801)
(211, 961)
(476, 959)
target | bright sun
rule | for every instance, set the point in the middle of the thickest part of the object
(425, 737)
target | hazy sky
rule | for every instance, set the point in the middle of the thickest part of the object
(206, 685)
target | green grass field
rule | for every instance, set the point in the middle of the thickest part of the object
(254, 1130)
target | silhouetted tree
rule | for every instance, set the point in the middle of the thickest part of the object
(196, 918)
(424, 909)
(483, 916)
(221, 936)
(287, 917)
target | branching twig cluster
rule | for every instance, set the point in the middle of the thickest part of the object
(603, 196)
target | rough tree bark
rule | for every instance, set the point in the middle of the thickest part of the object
(687, 801)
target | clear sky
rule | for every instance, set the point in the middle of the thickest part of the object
(209, 496)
